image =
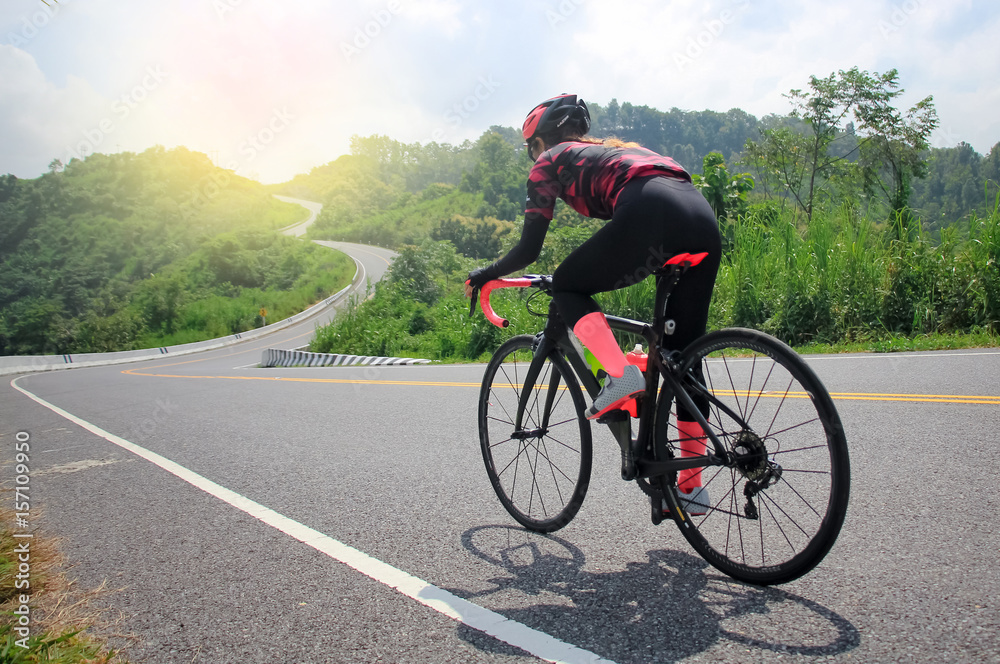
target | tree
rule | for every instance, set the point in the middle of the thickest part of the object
(887, 146)
(412, 271)
(893, 145)
(725, 193)
(475, 238)
(499, 175)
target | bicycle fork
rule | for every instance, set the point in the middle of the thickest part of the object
(542, 350)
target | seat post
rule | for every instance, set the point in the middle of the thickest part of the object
(666, 280)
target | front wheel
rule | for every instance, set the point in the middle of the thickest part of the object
(535, 437)
(774, 511)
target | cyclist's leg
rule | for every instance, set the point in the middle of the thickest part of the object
(688, 308)
(607, 261)
(654, 219)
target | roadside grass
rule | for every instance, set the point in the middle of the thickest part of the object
(67, 624)
(894, 343)
(842, 282)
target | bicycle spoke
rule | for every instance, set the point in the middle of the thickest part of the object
(537, 391)
(520, 450)
(800, 449)
(761, 391)
(777, 504)
(555, 481)
(494, 446)
(541, 480)
(794, 426)
(780, 529)
(494, 393)
(732, 384)
(802, 498)
(780, 404)
(534, 485)
(753, 366)
(509, 420)
(765, 497)
(569, 447)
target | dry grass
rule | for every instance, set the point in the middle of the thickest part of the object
(69, 623)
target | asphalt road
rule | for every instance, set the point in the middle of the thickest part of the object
(248, 523)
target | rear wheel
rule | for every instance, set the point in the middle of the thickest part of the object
(540, 470)
(773, 512)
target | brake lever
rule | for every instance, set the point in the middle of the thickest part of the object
(473, 300)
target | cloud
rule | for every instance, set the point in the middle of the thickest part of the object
(420, 70)
(39, 121)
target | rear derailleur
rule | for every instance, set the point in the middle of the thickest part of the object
(764, 479)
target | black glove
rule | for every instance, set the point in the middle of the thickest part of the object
(480, 276)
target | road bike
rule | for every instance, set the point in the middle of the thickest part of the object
(775, 472)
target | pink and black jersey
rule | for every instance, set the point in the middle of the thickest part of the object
(590, 176)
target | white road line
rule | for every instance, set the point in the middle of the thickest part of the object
(926, 354)
(539, 644)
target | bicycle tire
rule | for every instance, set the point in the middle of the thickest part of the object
(541, 474)
(783, 531)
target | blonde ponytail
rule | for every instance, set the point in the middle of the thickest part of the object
(609, 142)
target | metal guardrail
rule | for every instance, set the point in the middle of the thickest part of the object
(14, 364)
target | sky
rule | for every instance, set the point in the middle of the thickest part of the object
(274, 88)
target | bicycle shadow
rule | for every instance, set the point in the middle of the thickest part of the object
(663, 610)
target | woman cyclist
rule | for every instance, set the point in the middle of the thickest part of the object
(655, 213)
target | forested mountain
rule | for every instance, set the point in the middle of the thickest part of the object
(131, 250)
(687, 136)
(137, 250)
(959, 181)
(398, 174)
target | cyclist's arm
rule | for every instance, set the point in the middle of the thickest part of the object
(542, 193)
(523, 254)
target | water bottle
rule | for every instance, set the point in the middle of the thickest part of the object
(637, 357)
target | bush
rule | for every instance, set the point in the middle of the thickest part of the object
(839, 279)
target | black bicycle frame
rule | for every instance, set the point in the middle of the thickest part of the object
(555, 337)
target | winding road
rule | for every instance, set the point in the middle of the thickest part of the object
(253, 515)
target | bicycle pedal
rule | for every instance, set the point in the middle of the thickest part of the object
(657, 513)
(613, 416)
(629, 470)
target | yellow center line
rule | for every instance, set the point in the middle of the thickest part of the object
(874, 396)
(837, 396)
(342, 381)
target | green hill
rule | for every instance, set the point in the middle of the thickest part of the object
(136, 250)
(141, 250)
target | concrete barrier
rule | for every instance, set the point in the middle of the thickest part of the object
(14, 364)
(274, 357)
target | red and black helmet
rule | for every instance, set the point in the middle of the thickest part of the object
(564, 112)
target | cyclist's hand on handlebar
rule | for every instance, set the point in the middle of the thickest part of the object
(477, 278)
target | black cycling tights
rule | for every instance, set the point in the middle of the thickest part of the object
(654, 219)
